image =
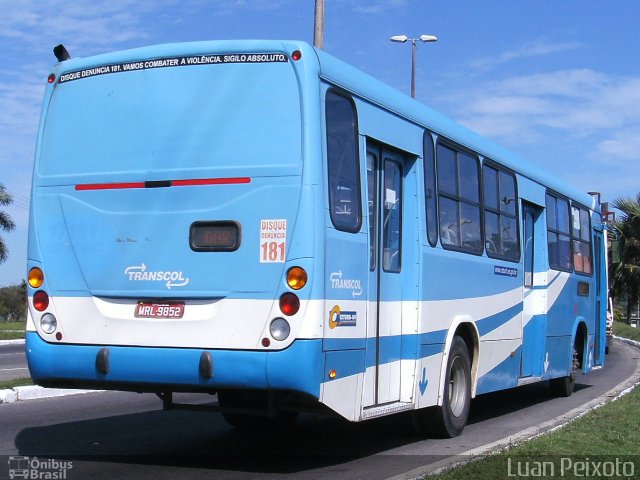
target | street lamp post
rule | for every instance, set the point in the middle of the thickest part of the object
(414, 47)
(318, 25)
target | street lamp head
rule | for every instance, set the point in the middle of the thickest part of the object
(399, 38)
(428, 38)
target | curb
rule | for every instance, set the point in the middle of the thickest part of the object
(530, 433)
(627, 341)
(34, 392)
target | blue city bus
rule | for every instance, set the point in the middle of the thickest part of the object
(260, 220)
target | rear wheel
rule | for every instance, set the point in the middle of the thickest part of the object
(563, 387)
(449, 419)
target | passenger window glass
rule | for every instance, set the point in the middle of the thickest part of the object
(528, 248)
(492, 233)
(458, 200)
(558, 234)
(342, 159)
(552, 222)
(500, 214)
(508, 199)
(509, 237)
(585, 225)
(392, 217)
(490, 182)
(468, 171)
(581, 240)
(447, 171)
(470, 228)
(372, 202)
(575, 213)
(449, 223)
(563, 215)
(430, 189)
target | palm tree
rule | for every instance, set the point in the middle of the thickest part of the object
(625, 274)
(5, 221)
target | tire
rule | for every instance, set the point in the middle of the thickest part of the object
(564, 386)
(248, 421)
(450, 418)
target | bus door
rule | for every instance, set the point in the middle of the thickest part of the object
(600, 313)
(534, 301)
(385, 174)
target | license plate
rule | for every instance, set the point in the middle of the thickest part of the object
(159, 310)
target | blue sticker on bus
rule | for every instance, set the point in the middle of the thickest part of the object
(505, 271)
(338, 318)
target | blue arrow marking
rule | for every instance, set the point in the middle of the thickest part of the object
(423, 383)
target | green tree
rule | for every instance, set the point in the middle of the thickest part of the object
(13, 302)
(625, 274)
(5, 221)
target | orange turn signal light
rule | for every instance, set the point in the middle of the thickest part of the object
(296, 278)
(36, 277)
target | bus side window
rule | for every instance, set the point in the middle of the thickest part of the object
(500, 213)
(581, 232)
(558, 233)
(343, 163)
(430, 189)
(459, 200)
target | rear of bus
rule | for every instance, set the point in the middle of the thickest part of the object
(171, 243)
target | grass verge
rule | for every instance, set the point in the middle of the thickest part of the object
(11, 330)
(16, 382)
(627, 331)
(593, 442)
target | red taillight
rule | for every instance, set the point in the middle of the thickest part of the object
(40, 300)
(52, 78)
(289, 303)
(296, 55)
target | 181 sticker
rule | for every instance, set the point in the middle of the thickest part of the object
(273, 241)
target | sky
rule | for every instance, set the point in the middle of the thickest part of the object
(557, 82)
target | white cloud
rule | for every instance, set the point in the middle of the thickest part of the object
(578, 103)
(87, 23)
(536, 48)
(620, 147)
(20, 107)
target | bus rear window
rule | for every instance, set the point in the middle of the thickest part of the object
(197, 118)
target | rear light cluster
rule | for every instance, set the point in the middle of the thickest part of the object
(48, 322)
(289, 303)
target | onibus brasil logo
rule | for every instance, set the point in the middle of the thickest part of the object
(38, 468)
(171, 279)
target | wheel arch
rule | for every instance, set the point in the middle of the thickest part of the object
(464, 327)
(580, 339)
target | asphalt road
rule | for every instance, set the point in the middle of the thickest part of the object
(13, 362)
(124, 435)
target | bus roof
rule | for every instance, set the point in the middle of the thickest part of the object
(375, 91)
(353, 80)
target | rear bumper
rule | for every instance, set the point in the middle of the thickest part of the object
(298, 368)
